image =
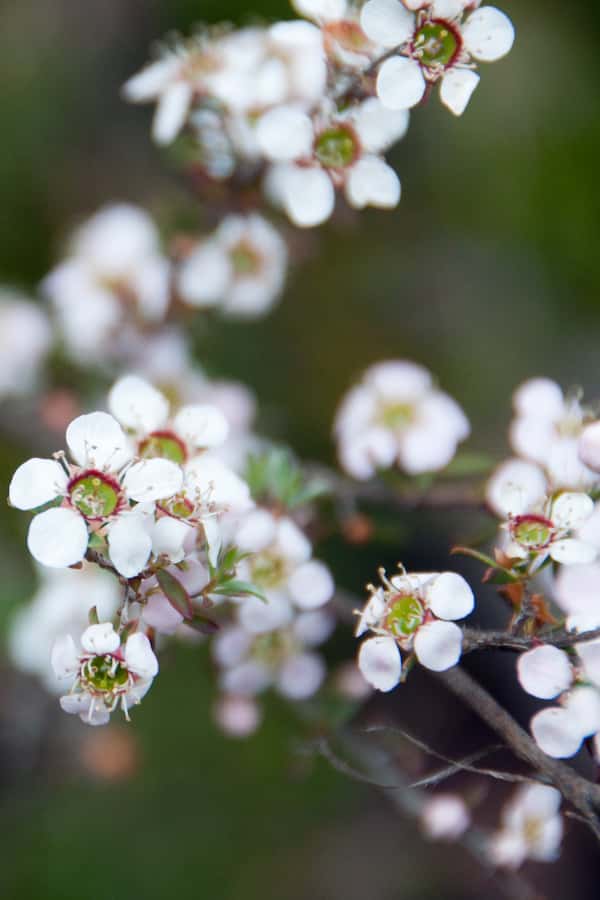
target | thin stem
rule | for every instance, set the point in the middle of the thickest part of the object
(473, 639)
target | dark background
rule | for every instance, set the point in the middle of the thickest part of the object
(487, 273)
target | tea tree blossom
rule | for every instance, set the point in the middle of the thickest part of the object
(445, 817)
(241, 268)
(396, 415)
(516, 487)
(106, 673)
(547, 430)
(413, 613)
(345, 42)
(25, 339)
(531, 828)
(439, 41)
(93, 493)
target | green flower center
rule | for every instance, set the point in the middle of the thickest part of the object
(94, 494)
(268, 570)
(435, 44)
(532, 532)
(397, 416)
(244, 259)
(273, 648)
(405, 615)
(336, 148)
(105, 674)
(163, 444)
(179, 507)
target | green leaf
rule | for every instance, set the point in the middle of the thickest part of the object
(275, 476)
(507, 574)
(175, 593)
(234, 588)
(202, 624)
(93, 616)
(96, 541)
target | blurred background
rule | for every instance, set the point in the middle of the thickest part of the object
(487, 273)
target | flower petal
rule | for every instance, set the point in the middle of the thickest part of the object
(64, 657)
(556, 732)
(171, 112)
(449, 596)
(572, 552)
(584, 704)
(301, 676)
(100, 639)
(311, 585)
(204, 277)
(387, 22)
(58, 538)
(488, 34)
(36, 482)
(589, 446)
(544, 672)
(129, 546)
(140, 657)
(371, 182)
(307, 194)
(98, 441)
(571, 509)
(438, 645)
(153, 479)
(285, 133)
(456, 88)
(380, 662)
(201, 425)
(400, 82)
(137, 404)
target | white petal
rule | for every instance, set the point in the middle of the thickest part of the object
(443, 9)
(400, 83)
(311, 585)
(544, 672)
(76, 704)
(314, 627)
(291, 542)
(100, 639)
(168, 538)
(589, 654)
(205, 275)
(129, 546)
(153, 479)
(556, 732)
(151, 81)
(577, 589)
(301, 676)
(456, 88)
(380, 662)
(572, 552)
(227, 488)
(445, 817)
(532, 438)
(571, 509)
(137, 404)
(515, 488)
(257, 530)
(449, 596)
(238, 717)
(258, 617)
(231, 645)
(426, 449)
(98, 441)
(36, 482)
(58, 538)
(64, 657)
(589, 446)
(488, 34)
(371, 182)
(372, 613)
(201, 425)
(140, 657)
(438, 645)
(539, 398)
(284, 134)
(308, 195)
(249, 678)
(387, 22)
(378, 127)
(171, 112)
(584, 704)
(321, 10)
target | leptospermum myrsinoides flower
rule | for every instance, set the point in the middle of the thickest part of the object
(240, 268)
(107, 673)
(103, 490)
(547, 429)
(532, 828)
(313, 156)
(25, 338)
(397, 415)
(439, 41)
(413, 613)
(345, 42)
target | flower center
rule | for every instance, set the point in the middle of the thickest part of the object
(105, 675)
(532, 532)
(405, 615)
(336, 147)
(268, 570)
(244, 259)
(397, 416)
(436, 44)
(179, 507)
(94, 494)
(163, 444)
(532, 830)
(273, 648)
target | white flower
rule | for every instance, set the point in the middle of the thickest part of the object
(313, 156)
(237, 716)
(59, 607)
(397, 415)
(532, 828)
(545, 672)
(25, 338)
(241, 268)
(344, 40)
(414, 613)
(547, 429)
(445, 817)
(516, 487)
(438, 42)
(536, 536)
(95, 492)
(106, 674)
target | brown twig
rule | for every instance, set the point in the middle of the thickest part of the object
(473, 639)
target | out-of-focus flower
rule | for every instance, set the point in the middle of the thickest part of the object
(106, 674)
(439, 41)
(240, 268)
(237, 716)
(414, 613)
(445, 817)
(515, 487)
(25, 338)
(397, 415)
(531, 828)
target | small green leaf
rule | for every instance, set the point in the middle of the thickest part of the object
(93, 616)
(202, 624)
(175, 593)
(96, 541)
(234, 588)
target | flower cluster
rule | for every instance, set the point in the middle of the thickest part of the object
(414, 614)
(532, 828)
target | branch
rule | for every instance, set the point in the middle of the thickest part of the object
(473, 639)
(580, 793)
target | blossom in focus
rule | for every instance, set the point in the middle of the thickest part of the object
(396, 415)
(106, 674)
(115, 272)
(413, 613)
(25, 339)
(103, 489)
(59, 607)
(440, 41)
(241, 268)
(531, 828)
(313, 156)
(547, 429)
